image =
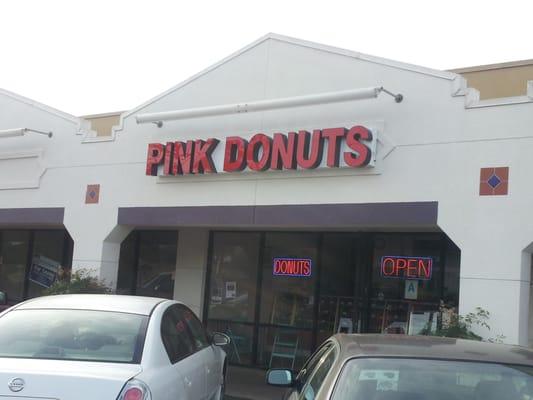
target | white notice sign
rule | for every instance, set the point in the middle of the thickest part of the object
(411, 289)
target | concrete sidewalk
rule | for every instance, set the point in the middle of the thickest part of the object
(249, 384)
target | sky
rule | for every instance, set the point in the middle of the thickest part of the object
(87, 57)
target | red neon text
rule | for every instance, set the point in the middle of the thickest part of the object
(406, 267)
(292, 267)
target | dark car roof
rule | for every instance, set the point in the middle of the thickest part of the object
(431, 347)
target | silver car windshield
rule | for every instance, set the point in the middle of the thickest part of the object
(416, 379)
(72, 335)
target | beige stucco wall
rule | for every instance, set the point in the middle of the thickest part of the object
(102, 123)
(499, 80)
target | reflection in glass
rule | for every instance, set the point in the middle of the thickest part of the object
(288, 300)
(157, 264)
(233, 278)
(400, 305)
(239, 350)
(281, 347)
(374, 378)
(13, 261)
(48, 249)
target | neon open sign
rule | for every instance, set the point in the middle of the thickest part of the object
(292, 267)
(407, 267)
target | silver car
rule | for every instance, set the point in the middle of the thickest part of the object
(397, 367)
(79, 347)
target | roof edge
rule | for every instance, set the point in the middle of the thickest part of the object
(54, 111)
(489, 67)
(365, 57)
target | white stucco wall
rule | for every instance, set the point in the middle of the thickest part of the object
(431, 148)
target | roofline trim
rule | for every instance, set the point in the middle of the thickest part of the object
(66, 116)
(82, 127)
(365, 57)
(102, 115)
(489, 67)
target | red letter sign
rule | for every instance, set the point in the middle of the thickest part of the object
(292, 267)
(202, 161)
(284, 151)
(353, 140)
(154, 158)
(182, 161)
(419, 268)
(334, 137)
(259, 142)
(306, 158)
(235, 154)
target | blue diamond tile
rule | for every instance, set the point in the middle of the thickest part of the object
(92, 194)
(494, 181)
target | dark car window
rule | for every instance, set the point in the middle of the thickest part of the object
(316, 380)
(176, 335)
(420, 379)
(308, 368)
(196, 328)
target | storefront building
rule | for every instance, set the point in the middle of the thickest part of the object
(285, 194)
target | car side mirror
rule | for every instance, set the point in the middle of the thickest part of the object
(220, 339)
(280, 377)
(3, 298)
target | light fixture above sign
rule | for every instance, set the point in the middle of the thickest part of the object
(7, 133)
(265, 105)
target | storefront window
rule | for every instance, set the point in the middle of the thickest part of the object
(403, 305)
(284, 347)
(13, 263)
(48, 249)
(233, 280)
(340, 303)
(127, 265)
(32, 260)
(313, 285)
(147, 264)
(240, 348)
(288, 299)
(157, 264)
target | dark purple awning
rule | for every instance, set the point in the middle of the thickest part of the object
(412, 214)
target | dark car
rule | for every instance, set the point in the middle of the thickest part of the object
(398, 367)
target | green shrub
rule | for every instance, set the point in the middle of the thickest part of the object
(451, 324)
(81, 281)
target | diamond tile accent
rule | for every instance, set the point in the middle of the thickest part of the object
(92, 195)
(494, 181)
